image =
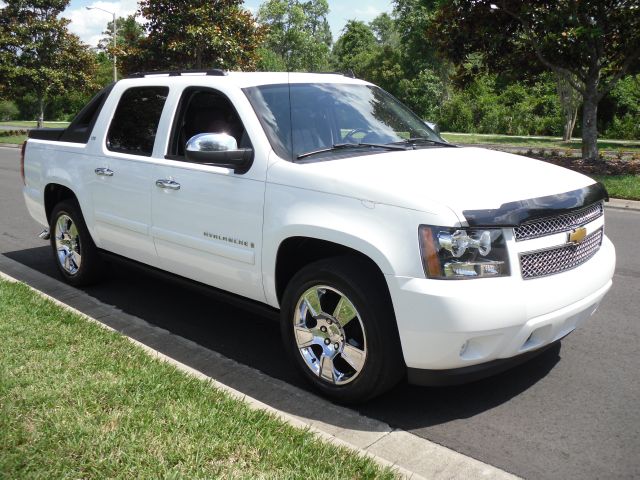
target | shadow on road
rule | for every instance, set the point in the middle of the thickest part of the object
(254, 340)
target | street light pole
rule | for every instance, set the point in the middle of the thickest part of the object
(115, 33)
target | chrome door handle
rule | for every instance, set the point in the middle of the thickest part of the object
(105, 172)
(170, 184)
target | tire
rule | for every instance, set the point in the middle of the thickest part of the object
(74, 252)
(339, 328)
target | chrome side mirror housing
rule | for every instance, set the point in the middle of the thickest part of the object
(211, 142)
(218, 149)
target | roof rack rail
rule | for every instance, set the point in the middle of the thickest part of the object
(216, 72)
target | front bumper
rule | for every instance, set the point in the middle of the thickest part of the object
(457, 376)
(454, 324)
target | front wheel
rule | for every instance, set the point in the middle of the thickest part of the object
(74, 252)
(339, 327)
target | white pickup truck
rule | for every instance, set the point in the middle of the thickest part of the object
(388, 251)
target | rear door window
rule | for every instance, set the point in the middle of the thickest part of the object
(135, 122)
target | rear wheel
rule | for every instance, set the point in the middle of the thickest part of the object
(74, 252)
(339, 327)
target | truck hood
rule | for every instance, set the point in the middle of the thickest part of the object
(431, 178)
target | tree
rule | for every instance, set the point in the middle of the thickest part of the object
(355, 49)
(375, 53)
(194, 34)
(298, 35)
(38, 55)
(591, 44)
(569, 102)
(413, 18)
(385, 29)
(129, 33)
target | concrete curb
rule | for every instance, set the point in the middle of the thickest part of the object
(410, 456)
(622, 204)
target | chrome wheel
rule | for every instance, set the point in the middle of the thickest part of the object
(67, 242)
(333, 345)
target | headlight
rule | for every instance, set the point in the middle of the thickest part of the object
(454, 253)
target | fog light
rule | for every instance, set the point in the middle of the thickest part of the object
(473, 269)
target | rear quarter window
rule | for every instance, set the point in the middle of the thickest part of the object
(80, 128)
(135, 121)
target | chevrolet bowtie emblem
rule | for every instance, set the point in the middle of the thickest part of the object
(577, 235)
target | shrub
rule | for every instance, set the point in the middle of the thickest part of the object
(8, 110)
(487, 106)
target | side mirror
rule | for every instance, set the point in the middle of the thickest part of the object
(432, 126)
(218, 149)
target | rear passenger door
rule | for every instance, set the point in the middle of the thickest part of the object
(207, 220)
(123, 174)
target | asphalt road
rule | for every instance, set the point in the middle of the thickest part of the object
(571, 413)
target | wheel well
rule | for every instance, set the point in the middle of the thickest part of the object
(53, 194)
(296, 252)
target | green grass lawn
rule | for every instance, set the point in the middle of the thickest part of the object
(29, 123)
(78, 401)
(539, 142)
(621, 186)
(13, 139)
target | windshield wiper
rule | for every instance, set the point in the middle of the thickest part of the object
(415, 140)
(345, 146)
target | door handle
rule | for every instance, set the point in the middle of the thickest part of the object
(166, 183)
(105, 172)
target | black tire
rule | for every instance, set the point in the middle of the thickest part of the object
(367, 291)
(90, 265)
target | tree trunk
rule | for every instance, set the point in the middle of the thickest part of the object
(41, 111)
(569, 126)
(569, 102)
(590, 123)
(198, 65)
(567, 130)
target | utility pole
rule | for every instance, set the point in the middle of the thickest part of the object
(115, 33)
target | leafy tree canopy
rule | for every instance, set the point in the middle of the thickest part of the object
(413, 19)
(385, 29)
(128, 32)
(298, 36)
(355, 49)
(195, 34)
(591, 44)
(38, 55)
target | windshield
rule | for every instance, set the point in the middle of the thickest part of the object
(320, 116)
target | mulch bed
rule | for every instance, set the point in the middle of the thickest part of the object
(610, 166)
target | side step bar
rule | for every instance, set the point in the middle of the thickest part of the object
(45, 235)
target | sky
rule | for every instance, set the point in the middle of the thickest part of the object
(89, 25)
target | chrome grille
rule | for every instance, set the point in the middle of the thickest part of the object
(559, 259)
(560, 223)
